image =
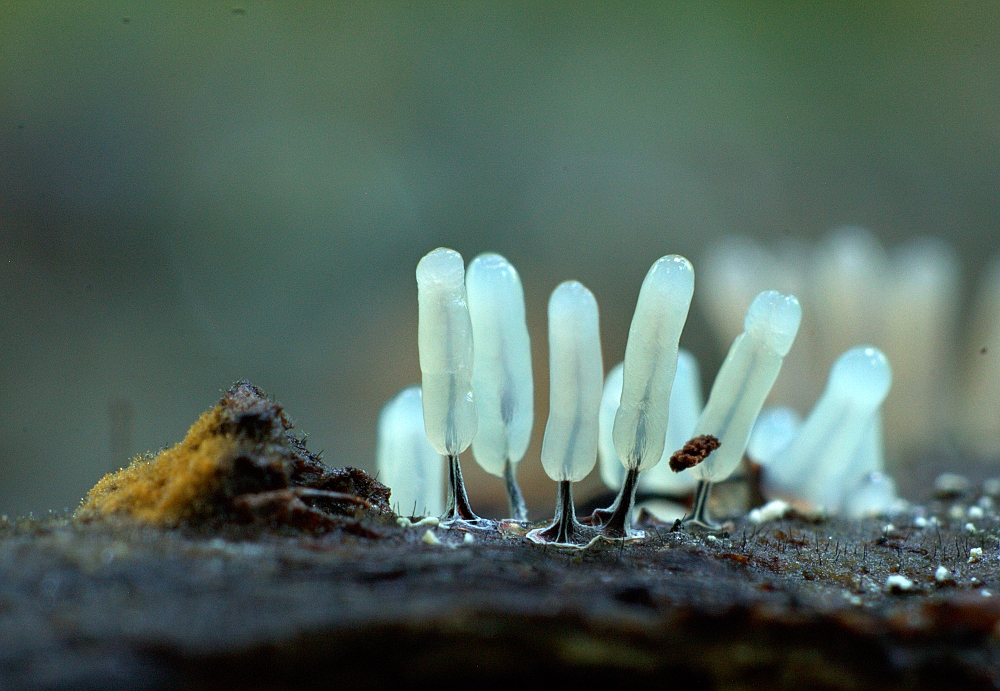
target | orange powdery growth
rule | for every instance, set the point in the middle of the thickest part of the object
(172, 486)
(239, 463)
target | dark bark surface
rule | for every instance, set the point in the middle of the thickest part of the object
(792, 604)
(282, 573)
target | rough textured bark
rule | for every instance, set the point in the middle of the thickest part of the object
(282, 573)
(99, 604)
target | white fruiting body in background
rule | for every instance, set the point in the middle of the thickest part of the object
(612, 471)
(650, 362)
(918, 336)
(686, 404)
(869, 457)
(501, 375)
(839, 444)
(852, 291)
(745, 380)
(407, 463)
(874, 495)
(772, 433)
(979, 409)
(685, 407)
(866, 489)
(444, 338)
(849, 291)
(576, 374)
(734, 271)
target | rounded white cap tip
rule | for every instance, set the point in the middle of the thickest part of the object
(864, 371)
(773, 319)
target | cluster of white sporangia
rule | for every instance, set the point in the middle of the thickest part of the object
(477, 389)
(904, 301)
(833, 460)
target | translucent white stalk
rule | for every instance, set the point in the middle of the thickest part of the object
(651, 361)
(745, 380)
(875, 494)
(869, 457)
(772, 433)
(612, 470)
(576, 373)
(445, 345)
(501, 375)
(685, 408)
(733, 272)
(816, 467)
(407, 463)
(833, 489)
(853, 291)
(686, 403)
(867, 490)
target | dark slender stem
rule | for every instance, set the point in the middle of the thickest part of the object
(619, 522)
(565, 518)
(518, 509)
(699, 515)
(564, 529)
(458, 501)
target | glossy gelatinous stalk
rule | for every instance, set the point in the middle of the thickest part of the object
(501, 375)
(576, 373)
(873, 496)
(685, 407)
(445, 344)
(839, 443)
(773, 431)
(612, 471)
(407, 463)
(650, 363)
(741, 386)
(686, 403)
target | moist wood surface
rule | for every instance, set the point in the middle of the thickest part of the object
(789, 605)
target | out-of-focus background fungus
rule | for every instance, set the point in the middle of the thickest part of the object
(193, 193)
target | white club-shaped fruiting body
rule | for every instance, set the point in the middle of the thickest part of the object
(640, 426)
(444, 338)
(576, 369)
(839, 443)
(501, 375)
(685, 407)
(686, 403)
(651, 361)
(576, 374)
(407, 463)
(904, 301)
(745, 380)
(774, 430)
(873, 496)
(612, 471)
(869, 457)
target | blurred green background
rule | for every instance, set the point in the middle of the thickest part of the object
(192, 193)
